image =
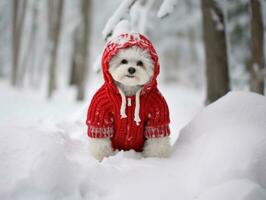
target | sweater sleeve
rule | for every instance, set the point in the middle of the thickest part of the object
(99, 117)
(158, 117)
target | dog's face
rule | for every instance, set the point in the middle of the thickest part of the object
(132, 66)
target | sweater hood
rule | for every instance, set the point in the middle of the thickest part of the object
(124, 41)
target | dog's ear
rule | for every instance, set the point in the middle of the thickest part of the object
(114, 62)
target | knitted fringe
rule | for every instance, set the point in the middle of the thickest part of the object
(158, 131)
(96, 132)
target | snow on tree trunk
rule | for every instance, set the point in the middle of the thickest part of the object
(257, 41)
(55, 12)
(215, 50)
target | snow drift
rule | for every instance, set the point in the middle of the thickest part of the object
(226, 143)
(220, 155)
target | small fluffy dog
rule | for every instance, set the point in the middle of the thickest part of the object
(131, 68)
(143, 122)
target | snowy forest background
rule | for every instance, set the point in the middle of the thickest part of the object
(42, 42)
(50, 53)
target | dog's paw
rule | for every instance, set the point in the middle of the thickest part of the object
(100, 148)
(157, 147)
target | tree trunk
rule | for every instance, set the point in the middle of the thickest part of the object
(55, 12)
(74, 60)
(257, 41)
(192, 35)
(29, 56)
(19, 10)
(83, 60)
(215, 50)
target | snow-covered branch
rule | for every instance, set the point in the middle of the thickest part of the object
(166, 8)
(144, 15)
(121, 13)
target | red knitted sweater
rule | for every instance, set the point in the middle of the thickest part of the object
(104, 119)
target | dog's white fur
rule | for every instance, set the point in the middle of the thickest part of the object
(157, 147)
(100, 148)
(130, 84)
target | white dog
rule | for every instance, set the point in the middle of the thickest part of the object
(131, 69)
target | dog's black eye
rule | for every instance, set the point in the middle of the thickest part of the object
(124, 61)
(140, 63)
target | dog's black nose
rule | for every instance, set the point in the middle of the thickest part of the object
(131, 70)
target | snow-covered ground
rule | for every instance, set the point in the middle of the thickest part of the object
(219, 155)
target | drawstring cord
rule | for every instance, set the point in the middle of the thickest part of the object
(137, 107)
(123, 105)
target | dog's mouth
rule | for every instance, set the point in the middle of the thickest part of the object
(130, 76)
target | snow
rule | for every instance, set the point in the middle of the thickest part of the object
(166, 8)
(219, 155)
(227, 141)
(237, 190)
(121, 27)
(140, 16)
